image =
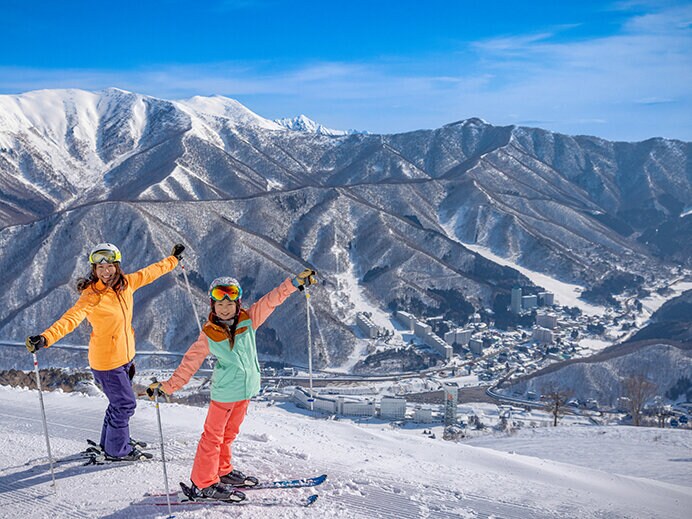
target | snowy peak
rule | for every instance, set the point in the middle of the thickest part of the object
(473, 121)
(307, 125)
(226, 108)
(46, 112)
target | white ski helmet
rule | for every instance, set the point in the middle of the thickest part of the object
(225, 287)
(105, 253)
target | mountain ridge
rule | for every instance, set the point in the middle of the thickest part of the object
(207, 171)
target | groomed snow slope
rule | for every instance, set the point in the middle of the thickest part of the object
(374, 470)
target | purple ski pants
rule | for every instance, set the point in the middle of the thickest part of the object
(117, 385)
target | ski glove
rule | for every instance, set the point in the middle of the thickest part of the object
(307, 277)
(177, 251)
(35, 343)
(156, 389)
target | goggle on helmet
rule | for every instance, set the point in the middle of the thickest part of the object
(225, 288)
(105, 253)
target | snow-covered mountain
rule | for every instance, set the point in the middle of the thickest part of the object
(387, 214)
(302, 123)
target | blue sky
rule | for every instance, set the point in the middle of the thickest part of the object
(621, 70)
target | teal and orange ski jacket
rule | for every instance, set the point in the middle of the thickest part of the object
(236, 373)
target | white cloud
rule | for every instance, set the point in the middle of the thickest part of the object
(627, 86)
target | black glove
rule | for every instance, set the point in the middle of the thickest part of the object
(35, 343)
(155, 389)
(177, 251)
(307, 277)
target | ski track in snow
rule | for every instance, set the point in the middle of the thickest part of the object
(350, 294)
(373, 470)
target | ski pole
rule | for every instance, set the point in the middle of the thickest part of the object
(189, 291)
(163, 454)
(43, 415)
(199, 324)
(307, 308)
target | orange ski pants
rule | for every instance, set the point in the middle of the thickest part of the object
(213, 458)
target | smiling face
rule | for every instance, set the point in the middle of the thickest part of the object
(106, 273)
(225, 309)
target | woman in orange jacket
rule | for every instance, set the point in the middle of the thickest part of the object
(106, 301)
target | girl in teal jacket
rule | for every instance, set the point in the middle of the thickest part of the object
(229, 335)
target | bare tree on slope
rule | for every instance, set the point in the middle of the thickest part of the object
(638, 389)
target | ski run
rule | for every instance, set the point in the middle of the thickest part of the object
(374, 470)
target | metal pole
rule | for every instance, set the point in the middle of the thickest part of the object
(199, 324)
(43, 415)
(307, 308)
(189, 291)
(163, 454)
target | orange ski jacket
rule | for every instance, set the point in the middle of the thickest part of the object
(112, 341)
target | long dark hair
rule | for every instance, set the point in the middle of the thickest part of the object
(118, 285)
(231, 330)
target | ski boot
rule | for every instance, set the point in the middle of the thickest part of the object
(134, 455)
(217, 492)
(137, 444)
(235, 478)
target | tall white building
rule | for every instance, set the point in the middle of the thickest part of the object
(546, 298)
(439, 346)
(451, 392)
(421, 328)
(515, 304)
(464, 336)
(529, 302)
(365, 324)
(546, 320)
(392, 408)
(318, 403)
(422, 415)
(459, 336)
(356, 407)
(542, 335)
(476, 346)
(405, 318)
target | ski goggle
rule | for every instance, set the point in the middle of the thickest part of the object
(232, 292)
(104, 256)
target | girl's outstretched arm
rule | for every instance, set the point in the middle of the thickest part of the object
(265, 306)
(193, 359)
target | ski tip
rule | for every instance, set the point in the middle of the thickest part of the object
(311, 499)
(321, 479)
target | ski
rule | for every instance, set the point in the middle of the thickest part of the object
(179, 500)
(81, 456)
(273, 485)
(97, 457)
(94, 446)
(93, 458)
(94, 454)
(288, 483)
